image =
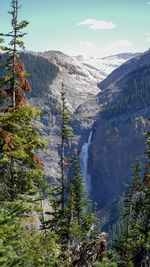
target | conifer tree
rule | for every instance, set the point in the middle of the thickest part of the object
(82, 221)
(58, 194)
(66, 135)
(133, 246)
(14, 65)
(20, 168)
(21, 171)
(10, 229)
(78, 195)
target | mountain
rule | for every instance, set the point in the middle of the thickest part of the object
(107, 64)
(119, 119)
(81, 76)
(46, 72)
(130, 65)
(80, 81)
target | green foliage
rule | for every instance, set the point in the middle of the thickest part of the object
(66, 135)
(82, 220)
(10, 229)
(133, 245)
(39, 249)
(105, 263)
(78, 201)
(19, 140)
(21, 171)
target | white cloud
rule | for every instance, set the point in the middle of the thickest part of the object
(87, 44)
(97, 24)
(88, 49)
(148, 3)
(119, 45)
(147, 34)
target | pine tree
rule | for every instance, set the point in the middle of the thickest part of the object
(133, 247)
(20, 168)
(58, 194)
(10, 229)
(21, 171)
(14, 65)
(66, 135)
(78, 195)
(82, 221)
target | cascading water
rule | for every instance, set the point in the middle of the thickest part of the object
(83, 157)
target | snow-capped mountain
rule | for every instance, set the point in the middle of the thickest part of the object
(107, 64)
(80, 81)
(48, 70)
(81, 76)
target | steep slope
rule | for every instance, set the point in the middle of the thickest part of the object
(140, 60)
(80, 81)
(81, 76)
(108, 64)
(118, 117)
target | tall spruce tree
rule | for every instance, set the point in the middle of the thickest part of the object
(78, 195)
(20, 168)
(66, 135)
(58, 221)
(82, 221)
(12, 81)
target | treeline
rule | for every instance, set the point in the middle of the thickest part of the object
(134, 93)
(41, 73)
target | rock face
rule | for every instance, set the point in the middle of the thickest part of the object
(47, 71)
(81, 76)
(128, 66)
(116, 144)
(120, 118)
(80, 81)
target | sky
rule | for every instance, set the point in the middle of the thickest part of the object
(96, 28)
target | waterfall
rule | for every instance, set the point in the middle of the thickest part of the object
(83, 158)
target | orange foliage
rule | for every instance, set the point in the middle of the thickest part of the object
(37, 161)
(22, 87)
(7, 139)
(20, 73)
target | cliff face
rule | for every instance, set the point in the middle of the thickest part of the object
(116, 144)
(120, 114)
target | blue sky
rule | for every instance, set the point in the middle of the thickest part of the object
(89, 27)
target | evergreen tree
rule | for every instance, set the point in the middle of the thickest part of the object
(78, 195)
(133, 247)
(20, 168)
(10, 229)
(21, 171)
(82, 221)
(13, 65)
(59, 221)
(66, 135)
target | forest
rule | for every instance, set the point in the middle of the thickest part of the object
(68, 232)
